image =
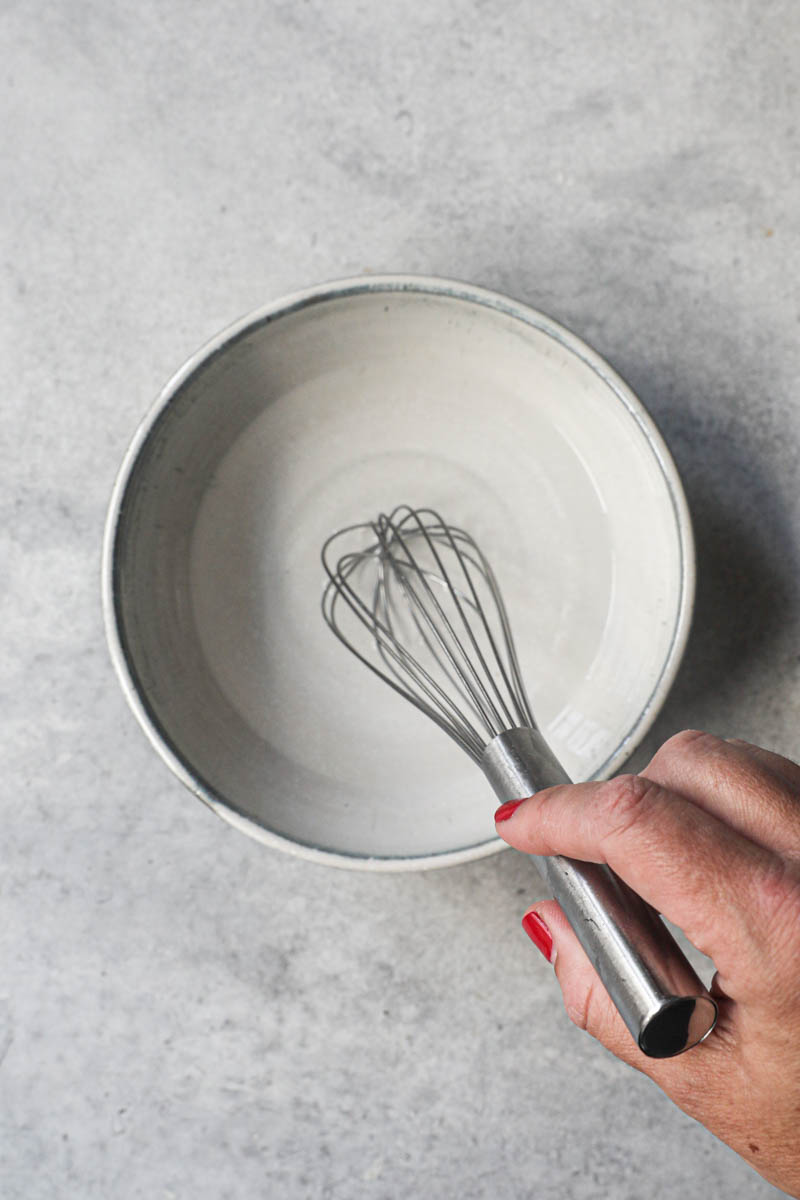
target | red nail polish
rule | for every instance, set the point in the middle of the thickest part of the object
(539, 934)
(505, 810)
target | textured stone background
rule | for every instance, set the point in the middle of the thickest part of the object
(184, 1013)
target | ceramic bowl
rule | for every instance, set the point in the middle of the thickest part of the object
(329, 407)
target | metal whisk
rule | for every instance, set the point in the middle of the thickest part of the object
(416, 600)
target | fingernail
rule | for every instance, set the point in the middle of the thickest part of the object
(505, 811)
(539, 934)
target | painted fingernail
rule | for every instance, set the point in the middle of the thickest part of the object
(539, 934)
(505, 811)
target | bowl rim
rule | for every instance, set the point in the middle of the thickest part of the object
(284, 306)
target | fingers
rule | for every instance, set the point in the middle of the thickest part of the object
(589, 1006)
(783, 768)
(587, 1002)
(691, 866)
(754, 791)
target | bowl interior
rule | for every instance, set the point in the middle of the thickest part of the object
(328, 413)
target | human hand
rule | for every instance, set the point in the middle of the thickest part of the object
(709, 834)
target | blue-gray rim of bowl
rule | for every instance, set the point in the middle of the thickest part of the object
(340, 289)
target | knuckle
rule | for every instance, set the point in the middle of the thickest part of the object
(625, 800)
(686, 744)
(584, 1003)
(778, 896)
(578, 1003)
(688, 737)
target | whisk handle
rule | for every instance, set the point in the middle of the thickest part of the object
(657, 992)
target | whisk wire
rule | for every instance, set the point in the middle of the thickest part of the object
(462, 559)
(430, 603)
(510, 673)
(437, 693)
(510, 670)
(441, 625)
(438, 706)
(452, 677)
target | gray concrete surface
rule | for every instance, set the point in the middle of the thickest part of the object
(184, 1013)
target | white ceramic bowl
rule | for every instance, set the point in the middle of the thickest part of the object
(326, 408)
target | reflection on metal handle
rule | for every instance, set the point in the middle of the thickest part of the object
(658, 994)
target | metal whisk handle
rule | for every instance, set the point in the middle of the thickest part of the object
(658, 994)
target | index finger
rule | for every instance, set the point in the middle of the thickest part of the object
(713, 882)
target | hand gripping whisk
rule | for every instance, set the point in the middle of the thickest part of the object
(416, 600)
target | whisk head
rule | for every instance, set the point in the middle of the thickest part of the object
(415, 599)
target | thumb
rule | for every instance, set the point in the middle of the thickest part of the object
(586, 1000)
